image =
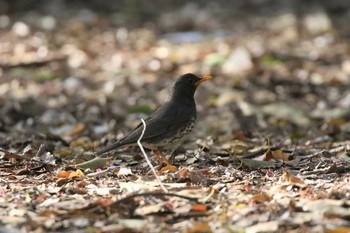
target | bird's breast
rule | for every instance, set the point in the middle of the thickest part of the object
(185, 130)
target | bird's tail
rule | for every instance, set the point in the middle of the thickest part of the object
(110, 147)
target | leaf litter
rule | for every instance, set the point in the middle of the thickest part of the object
(73, 82)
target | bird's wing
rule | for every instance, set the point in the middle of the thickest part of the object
(165, 119)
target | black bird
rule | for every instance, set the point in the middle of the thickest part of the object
(166, 127)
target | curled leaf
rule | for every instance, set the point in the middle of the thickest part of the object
(93, 163)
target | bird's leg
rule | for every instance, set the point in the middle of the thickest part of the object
(172, 155)
(161, 158)
(156, 153)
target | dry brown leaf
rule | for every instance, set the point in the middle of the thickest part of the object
(239, 135)
(278, 154)
(24, 171)
(198, 177)
(77, 173)
(168, 168)
(199, 208)
(201, 227)
(82, 184)
(62, 181)
(338, 230)
(78, 129)
(64, 174)
(261, 198)
(268, 155)
(290, 178)
(105, 202)
(331, 169)
(182, 174)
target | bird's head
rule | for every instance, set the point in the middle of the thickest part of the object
(186, 85)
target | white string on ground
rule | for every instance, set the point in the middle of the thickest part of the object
(146, 157)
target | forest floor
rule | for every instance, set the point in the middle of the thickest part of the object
(271, 147)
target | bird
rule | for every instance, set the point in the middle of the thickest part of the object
(168, 124)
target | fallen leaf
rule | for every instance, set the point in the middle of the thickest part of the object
(337, 230)
(105, 202)
(290, 178)
(182, 174)
(124, 171)
(239, 206)
(199, 208)
(77, 129)
(24, 171)
(168, 168)
(261, 198)
(268, 155)
(64, 174)
(331, 169)
(201, 227)
(62, 181)
(247, 188)
(77, 173)
(133, 223)
(218, 187)
(113, 228)
(149, 209)
(93, 163)
(278, 154)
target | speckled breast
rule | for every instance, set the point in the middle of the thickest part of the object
(170, 143)
(183, 131)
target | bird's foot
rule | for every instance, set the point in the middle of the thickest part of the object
(168, 168)
(164, 161)
(160, 157)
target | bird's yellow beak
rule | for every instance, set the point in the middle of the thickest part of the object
(203, 79)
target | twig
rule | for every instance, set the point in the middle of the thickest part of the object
(96, 207)
(41, 150)
(33, 63)
(132, 196)
(146, 157)
(206, 198)
(295, 148)
(10, 155)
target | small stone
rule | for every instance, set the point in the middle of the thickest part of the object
(346, 66)
(238, 62)
(21, 29)
(71, 85)
(317, 23)
(48, 22)
(122, 35)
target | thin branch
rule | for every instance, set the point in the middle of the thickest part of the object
(41, 150)
(146, 157)
(10, 155)
(154, 194)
